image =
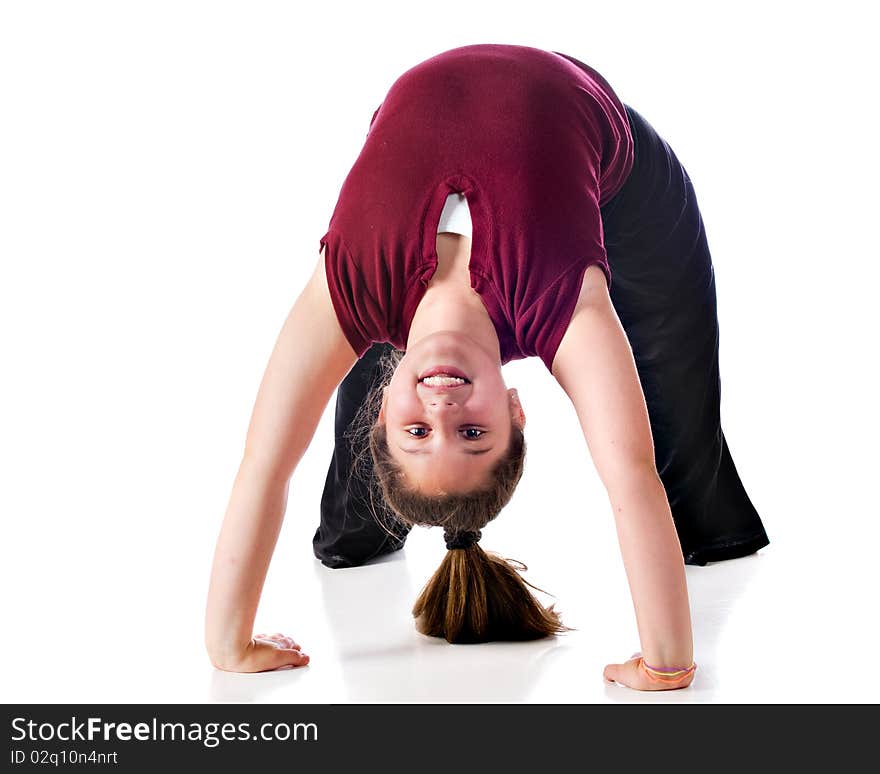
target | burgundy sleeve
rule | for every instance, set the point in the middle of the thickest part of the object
(373, 119)
(545, 322)
(348, 291)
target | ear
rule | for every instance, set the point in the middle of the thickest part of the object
(381, 418)
(516, 410)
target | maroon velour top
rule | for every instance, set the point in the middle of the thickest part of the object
(536, 140)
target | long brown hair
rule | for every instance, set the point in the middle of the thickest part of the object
(474, 595)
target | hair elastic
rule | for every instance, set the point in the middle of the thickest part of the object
(462, 539)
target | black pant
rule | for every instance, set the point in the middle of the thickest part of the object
(663, 289)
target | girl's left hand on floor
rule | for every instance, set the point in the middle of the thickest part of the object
(633, 676)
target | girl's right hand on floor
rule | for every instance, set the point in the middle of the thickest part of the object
(264, 653)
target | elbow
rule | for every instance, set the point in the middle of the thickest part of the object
(636, 475)
(267, 468)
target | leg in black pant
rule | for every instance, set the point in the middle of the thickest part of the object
(663, 289)
(348, 534)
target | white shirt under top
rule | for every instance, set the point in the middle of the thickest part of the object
(456, 215)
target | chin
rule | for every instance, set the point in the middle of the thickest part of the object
(452, 336)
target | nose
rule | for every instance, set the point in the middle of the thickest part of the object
(441, 403)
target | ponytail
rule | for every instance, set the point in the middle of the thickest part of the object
(478, 596)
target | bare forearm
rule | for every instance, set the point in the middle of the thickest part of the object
(241, 558)
(654, 567)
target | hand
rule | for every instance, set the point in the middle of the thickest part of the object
(264, 653)
(633, 676)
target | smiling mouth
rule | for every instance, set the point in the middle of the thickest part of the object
(443, 375)
(443, 380)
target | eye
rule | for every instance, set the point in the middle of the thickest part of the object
(470, 433)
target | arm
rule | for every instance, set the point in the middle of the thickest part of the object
(309, 360)
(595, 366)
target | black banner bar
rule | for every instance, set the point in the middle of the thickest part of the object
(397, 736)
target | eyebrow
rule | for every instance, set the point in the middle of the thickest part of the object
(425, 451)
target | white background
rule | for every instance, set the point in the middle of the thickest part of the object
(166, 171)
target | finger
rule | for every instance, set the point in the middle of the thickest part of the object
(613, 672)
(267, 655)
(282, 657)
(284, 640)
(275, 642)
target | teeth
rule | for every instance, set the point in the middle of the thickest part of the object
(441, 380)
